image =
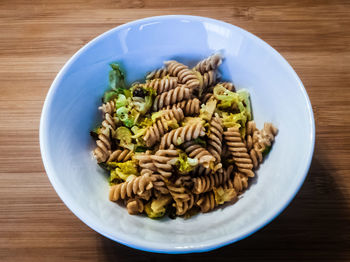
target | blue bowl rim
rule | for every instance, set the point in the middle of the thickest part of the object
(176, 250)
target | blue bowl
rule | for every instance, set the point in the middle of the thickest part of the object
(70, 111)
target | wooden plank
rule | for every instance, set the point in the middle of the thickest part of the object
(36, 39)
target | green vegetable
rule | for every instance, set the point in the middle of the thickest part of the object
(266, 151)
(150, 91)
(208, 109)
(140, 149)
(121, 101)
(244, 94)
(116, 77)
(227, 98)
(157, 207)
(138, 132)
(110, 95)
(116, 84)
(200, 141)
(95, 132)
(122, 170)
(156, 115)
(128, 117)
(124, 135)
(185, 164)
(224, 195)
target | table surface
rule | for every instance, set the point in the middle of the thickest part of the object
(36, 39)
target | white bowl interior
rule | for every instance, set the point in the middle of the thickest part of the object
(70, 112)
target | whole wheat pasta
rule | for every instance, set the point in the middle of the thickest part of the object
(158, 73)
(164, 84)
(171, 97)
(210, 63)
(178, 142)
(182, 134)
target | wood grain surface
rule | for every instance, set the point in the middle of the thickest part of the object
(36, 39)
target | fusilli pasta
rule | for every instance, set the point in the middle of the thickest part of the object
(178, 142)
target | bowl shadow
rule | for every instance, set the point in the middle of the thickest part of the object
(315, 226)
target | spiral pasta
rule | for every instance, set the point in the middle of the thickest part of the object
(161, 161)
(185, 75)
(206, 183)
(195, 150)
(172, 96)
(108, 108)
(164, 84)
(207, 79)
(133, 186)
(215, 137)
(229, 86)
(158, 73)
(134, 206)
(179, 141)
(210, 63)
(182, 134)
(145, 162)
(189, 107)
(120, 155)
(103, 149)
(258, 140)
(183, 198)
(238, 151)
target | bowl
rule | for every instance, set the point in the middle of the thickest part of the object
(70, 112)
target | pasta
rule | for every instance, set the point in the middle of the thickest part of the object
(203, 156)
(182, 134)
(215, 138)
(239, 151)
(180, 142)
(185, 75)
(133, 186)
(120, 155)
(158, 73)
(210, 63)
(161, 126)
(189, 107)
(164, 84)
(171, 97)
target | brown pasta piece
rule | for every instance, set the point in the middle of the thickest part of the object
(120, 155)
(206, 98)
(103, 149)
(134, 186)
(205, 81)
(108, 108)
(161, 161)
(207, 183)
(210, 63)
(160, 127)
(240, 182)
(229, 86)
(238, 151)
(161, 85)
(183, 198)
(158, 73)
(258, 140)
(195, 150)
(215, 137)
(185, 75)
(145, 162)
(182, 134)
(172, 96)
(208, 201)
(189, 107)
(134, 206)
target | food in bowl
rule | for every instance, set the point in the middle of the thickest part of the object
(179, 143)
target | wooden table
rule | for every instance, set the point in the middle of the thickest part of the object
(37, 38)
